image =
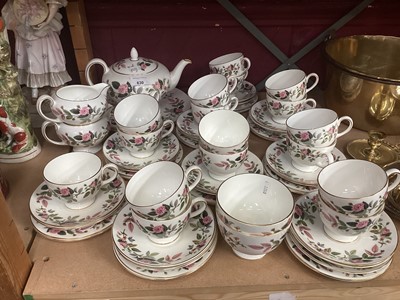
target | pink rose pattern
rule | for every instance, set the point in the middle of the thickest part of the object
(312, 138)
(296, 93)
(73, 194)
(81, 114)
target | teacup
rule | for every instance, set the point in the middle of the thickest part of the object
(308, 159)
(282, 110)
(290, 85)
(231, 64)
(318, 127)
(144, 144)
(359, 183)
(212, 90)
(165, 231)
(199, 112)
(160, 190)
(345, 228)
(224, 132)
(137, 114)
(75, 104)
(87, 138)
(222, 166)
(76, 178)
(240, 79)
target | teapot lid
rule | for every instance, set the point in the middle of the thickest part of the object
(135, 65)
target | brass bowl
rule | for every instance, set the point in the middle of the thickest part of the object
(363, 81)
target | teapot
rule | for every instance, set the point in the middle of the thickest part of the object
(137, 75)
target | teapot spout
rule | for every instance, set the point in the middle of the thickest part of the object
(177, 72)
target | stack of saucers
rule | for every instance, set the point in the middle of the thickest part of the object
(278, 163)
(365, 258)
(60, 213)
(247, 96)
(187, 129)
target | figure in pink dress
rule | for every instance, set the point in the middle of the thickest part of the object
(39, 56)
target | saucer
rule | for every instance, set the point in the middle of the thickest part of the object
(332, 272)
(51, 211)
(293, 187)
(74, 234)
(186, 140)
(266, 134)
(135, 246)
(187, 125)
(372, 248)
(246, 105)
(279, 161)
(263, 118)
(209, 185)
(211, 199)
(115, 153)
(165, 274)
(248, 91)
(173, 103)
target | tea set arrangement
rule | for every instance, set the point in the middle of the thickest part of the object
(158, 202)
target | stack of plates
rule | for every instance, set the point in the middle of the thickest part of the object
(169, 149)
(146, 259)
(208, 186)
(187, 129)
(262, 125)
(52, 219)
(364, 259)
(247, 96)
(278, 164)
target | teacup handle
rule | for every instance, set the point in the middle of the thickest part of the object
(246, 63)
(315, 75)
(45, 124)
(198, 178)
(396, 182)
(232, 104)
(348, 119)
(323, 164)
(39, 103)
(311, 102)
(167, 132)
(200, 205)
(232, 83)
(106, 168)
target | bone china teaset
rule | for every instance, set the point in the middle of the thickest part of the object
(162, 225)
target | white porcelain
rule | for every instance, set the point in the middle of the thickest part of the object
(161, 189)
(51, 211)
(307, 158)
(143, 145)
(86, 138)
(222, 166)
(137, 75)
(187, 125)
(186, 139)
(75, 104)
(209, 185)
(247, 92)
(279, 161)
(151, 273)
(360, 184)
(224, 132)
(173, 103)
(251, 247)
(316, 265)
(261, 116)
(231, 64)
(373, 248)
(254, 203)
(246, 105)
(135, 245)
(120, 156)
(212, 90)
(290, 85)
(161, 229)
(281, 110)
(199, 112)
(137, 114)
(317, 127)
(264, 133)
(76, 178)
(240, 80)
(345, 228)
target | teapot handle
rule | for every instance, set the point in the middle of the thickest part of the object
(92, 62)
